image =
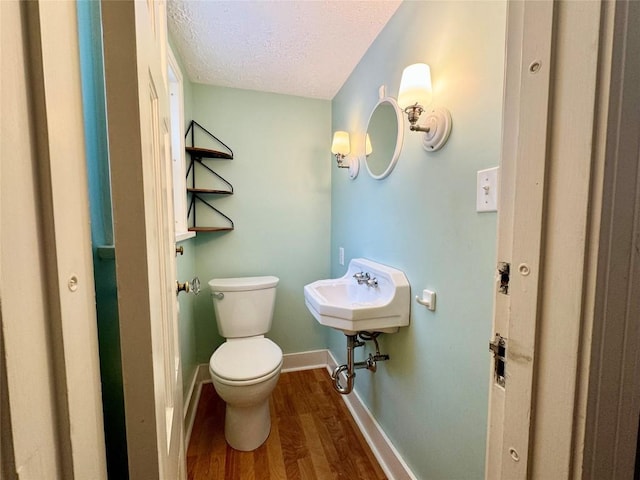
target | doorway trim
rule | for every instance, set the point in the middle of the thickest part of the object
(586, 349)
(609, 398)
(50, 365)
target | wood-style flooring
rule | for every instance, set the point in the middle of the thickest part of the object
(313, 436)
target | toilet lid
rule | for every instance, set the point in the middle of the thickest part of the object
(245, 359)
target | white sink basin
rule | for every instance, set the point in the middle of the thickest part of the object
(344, 304)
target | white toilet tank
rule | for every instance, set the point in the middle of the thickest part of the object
(244, 305)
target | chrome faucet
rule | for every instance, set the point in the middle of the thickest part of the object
(361, 277)
(365, 277)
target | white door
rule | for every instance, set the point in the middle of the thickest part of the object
(139, 147)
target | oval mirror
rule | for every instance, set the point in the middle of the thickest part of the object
(385, 131)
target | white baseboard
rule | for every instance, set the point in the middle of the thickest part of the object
(200, 376)
(390, 460)
(292, 362)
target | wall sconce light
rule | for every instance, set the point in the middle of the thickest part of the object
(413, 97)
(341, 147)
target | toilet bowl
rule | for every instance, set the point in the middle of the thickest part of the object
(246, 367)
(246, 386)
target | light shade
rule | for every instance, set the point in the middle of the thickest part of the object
(415, 86)
(368, 150)
(340, 144)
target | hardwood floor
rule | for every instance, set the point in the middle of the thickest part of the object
(313, 436)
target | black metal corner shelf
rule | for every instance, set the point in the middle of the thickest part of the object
(206, 153)
(198, 155)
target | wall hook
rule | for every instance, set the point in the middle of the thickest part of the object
(428, 299)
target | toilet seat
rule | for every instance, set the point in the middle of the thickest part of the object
(244, 361)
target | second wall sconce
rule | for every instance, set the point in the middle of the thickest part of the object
(341, 147)
(413, 97)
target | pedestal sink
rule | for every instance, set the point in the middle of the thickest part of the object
(370, 297)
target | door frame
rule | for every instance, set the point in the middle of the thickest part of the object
(524, 165)
(49, 357)
(49, 364)
(606, 441)
(589, 157)
(602, 325)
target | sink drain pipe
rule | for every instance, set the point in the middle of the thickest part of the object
(350, 367)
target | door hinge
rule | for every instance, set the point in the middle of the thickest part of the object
(499, 348)
(503, 272)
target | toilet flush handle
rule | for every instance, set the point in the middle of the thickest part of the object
(218, 295)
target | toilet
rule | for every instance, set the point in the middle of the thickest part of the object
(246, 367)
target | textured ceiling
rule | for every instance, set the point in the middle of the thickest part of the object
(297, 47)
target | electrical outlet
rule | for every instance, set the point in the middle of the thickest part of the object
(341, 256)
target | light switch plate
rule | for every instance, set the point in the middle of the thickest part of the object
(487, 190)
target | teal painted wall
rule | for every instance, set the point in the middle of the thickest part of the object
(293, 209)
(281, 205)
(185, 269)
(89, 28)
(431, 397)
